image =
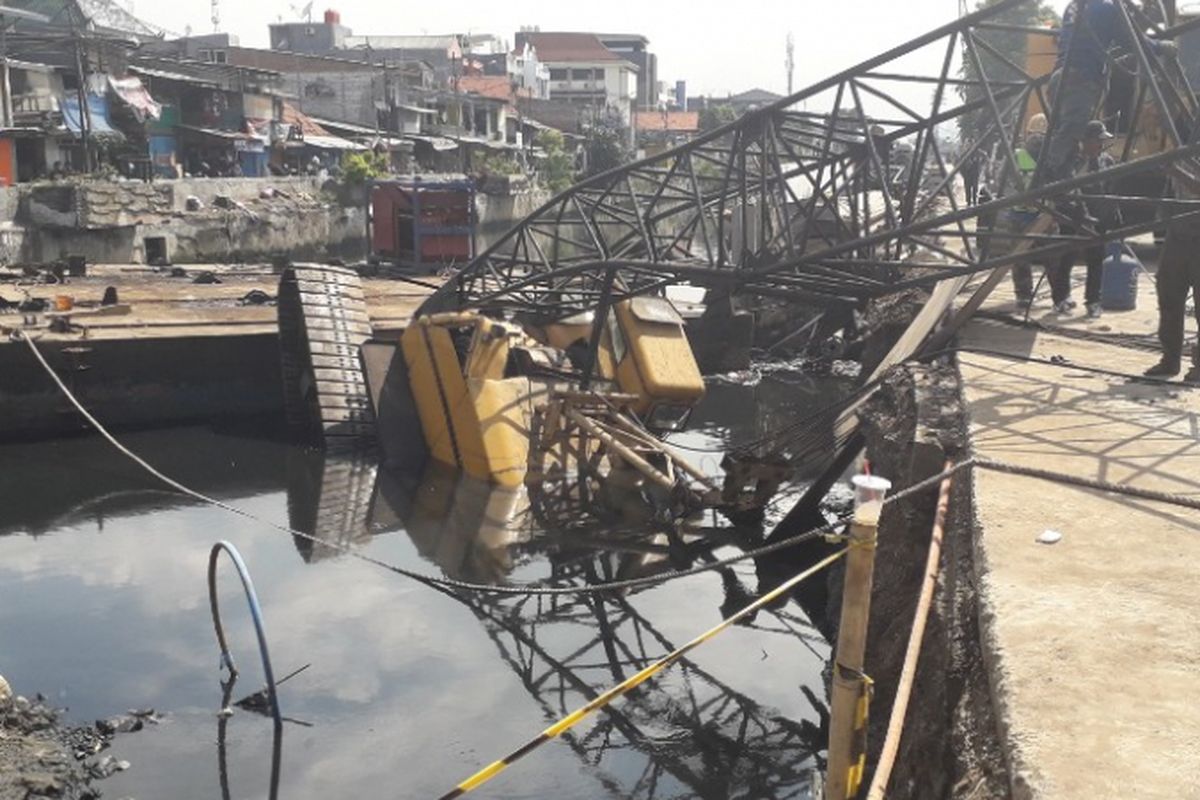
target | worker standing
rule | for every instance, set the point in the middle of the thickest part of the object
(1091, 29)
(1106, 215)
(1178, 276)
(970, 169)
(1019, 218)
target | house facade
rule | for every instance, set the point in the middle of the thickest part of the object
(585, 73)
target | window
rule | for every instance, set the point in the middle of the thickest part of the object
(598, 74)
(560, 75)
(581, 74)
(204, 54)
(220, 57)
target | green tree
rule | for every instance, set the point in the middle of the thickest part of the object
(1013, 45)
(714, 116)
(358, 168)
(608, 145)
(557, 169)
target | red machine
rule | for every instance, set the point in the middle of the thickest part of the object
(422, 223)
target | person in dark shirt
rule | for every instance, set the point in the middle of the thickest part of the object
(970, 169)
(1107, 215)
(1090, 30)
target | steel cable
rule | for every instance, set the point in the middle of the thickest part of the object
(445, 583)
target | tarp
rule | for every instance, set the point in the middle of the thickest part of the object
(136, 97)
(331, 143)
(97, 105)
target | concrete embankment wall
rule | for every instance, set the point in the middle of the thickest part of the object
(111, 221)
(137, 383)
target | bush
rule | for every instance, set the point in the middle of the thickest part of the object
(497, 164)
(358, 168)
(557, 169)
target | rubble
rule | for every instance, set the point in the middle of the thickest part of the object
(42, 758)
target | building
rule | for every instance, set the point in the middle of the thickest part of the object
(633, 48)
(312, 38)
(216, 119)
(444, 53)
(329, 37)
(585, 73)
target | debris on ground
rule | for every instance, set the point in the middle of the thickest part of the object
(42, 758)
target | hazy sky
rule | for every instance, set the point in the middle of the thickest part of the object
(718, 47)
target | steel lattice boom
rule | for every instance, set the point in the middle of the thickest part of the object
(836, 194)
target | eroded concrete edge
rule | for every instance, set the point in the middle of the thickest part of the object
(1024, 778)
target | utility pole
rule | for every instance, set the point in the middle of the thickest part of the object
(790, 63)
(85, 112)
(851, 692)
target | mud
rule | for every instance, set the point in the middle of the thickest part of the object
(950, 747)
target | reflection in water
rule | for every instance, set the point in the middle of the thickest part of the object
(720, 724)
(329, 498)
(690, 734)
(223, 717)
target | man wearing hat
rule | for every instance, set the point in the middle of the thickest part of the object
(1091, 158)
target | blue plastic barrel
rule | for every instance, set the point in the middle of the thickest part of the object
(1119, 291)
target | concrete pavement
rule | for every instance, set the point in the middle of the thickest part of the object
(1093, 644)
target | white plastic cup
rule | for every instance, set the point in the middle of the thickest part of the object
(869, 494)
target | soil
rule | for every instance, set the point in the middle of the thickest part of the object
(40, 757)
(950, 747)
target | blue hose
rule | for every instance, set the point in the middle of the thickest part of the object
(255, 613)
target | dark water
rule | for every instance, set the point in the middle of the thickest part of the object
(104, 608)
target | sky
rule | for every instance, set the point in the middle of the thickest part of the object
(718, 47)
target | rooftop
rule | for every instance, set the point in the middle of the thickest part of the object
(439, 42)
(670, 121)
(755, 96)
(498, 87)
(567, 47)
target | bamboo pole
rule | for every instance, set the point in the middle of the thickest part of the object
(891, 743)
(850, 692)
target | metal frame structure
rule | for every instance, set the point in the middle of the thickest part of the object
(796, 200)
(737, 747)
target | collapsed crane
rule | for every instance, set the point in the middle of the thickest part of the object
(557, 351)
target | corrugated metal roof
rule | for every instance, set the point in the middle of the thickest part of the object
(332, 143)
(167, 75)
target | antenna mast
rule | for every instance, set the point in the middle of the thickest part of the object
(216, 16)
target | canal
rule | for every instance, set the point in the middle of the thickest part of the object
(104, 608)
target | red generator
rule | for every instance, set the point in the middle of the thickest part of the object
(422, 224)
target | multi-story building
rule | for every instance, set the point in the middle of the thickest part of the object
(633, 48)
(585, 73)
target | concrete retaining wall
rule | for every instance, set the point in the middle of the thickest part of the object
(139, 383)
(109, 221)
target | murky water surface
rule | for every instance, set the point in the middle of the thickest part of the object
(104, 608)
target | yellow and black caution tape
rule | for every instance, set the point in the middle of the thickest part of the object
(566, 723)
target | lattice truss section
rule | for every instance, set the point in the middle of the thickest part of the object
(685, 734)
(839, 193)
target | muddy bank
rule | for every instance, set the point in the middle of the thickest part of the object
(40, 757)
(950, 747)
